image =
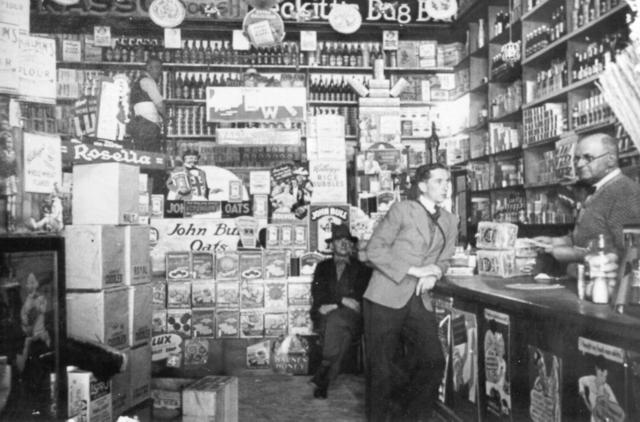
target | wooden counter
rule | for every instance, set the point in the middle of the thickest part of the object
(562, 304)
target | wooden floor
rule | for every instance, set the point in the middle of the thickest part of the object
(285, 398)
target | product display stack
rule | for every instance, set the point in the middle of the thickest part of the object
(108, 286)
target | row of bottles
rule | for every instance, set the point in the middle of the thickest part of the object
(596, 56)
(538, 39)
(591, 111)
(330, 88)
(192, 85)
(501, 23)
(345, 54)
(558, 23)
(586, 11)
(551, 79)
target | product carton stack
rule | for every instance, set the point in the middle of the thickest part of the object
(212, 398)
(108, 276)
(500, 254)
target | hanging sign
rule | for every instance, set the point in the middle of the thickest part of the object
(167, 13)
(345, 19)
(255, 104)
(85, 153)
(172, 38)
(239, 41)
(264, 28)
(390, 40)
(42, 163)
(16, 13)
(308, 40)
(36, 69)
(9, 45)
(102, 36)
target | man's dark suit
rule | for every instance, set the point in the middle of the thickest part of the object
(341, 325)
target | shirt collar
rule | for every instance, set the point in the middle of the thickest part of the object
(606, 178)
(428, 204)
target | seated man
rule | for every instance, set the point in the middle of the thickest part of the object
(336, 291)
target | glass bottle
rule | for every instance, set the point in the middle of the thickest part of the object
(598, 279)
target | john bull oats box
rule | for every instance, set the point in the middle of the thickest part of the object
(140, 314)
(94, 256)
(101, 316)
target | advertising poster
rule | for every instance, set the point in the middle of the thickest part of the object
(9, 46)
(291, 190)
(326, 137)
(42, 163)
(442, 309)
(379, 124)
(197, 234)
(321, 218)
(496, 362)
(545, 371)
(464, 360)
(255, 104)
(36, 69)
(329, 180)
(601, 382)
(15, 12)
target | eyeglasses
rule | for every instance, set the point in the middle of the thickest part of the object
(587, 158)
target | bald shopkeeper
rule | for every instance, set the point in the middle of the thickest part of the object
(615, 201)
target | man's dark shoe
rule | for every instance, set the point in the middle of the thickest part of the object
(320, 393)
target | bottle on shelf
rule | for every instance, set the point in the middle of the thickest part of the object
(597, 277)
(481, 34)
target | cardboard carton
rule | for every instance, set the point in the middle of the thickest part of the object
(101, 316)
(94, 256)
(137, 261)
(140, 314)
(88, 399)
(105, 193)
(140, 386)
(120, 399)
(212, 398)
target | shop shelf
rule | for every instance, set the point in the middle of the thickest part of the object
(562, 92)
(506, 73)
(574, 34)
(183, 101)
(607, 124)
(507, 117)
(533, 12)
(201, 137)
(331, 103)
(411, 103)
(544, 142)
(440, 69)
(503, 37)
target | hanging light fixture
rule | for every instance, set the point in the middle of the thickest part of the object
(510, 51)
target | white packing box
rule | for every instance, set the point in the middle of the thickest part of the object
(140, 386)
(212, 398)
(94, 256)
(88, 399)
(101, 316)
(105, 193)
(137, 259)
(140, 314)
(120, 399)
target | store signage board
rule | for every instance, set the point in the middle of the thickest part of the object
(236, 209)
(16, 13)
(390, 40)
(202, 209)
(102, 36)
(403, 12)
(256, 104)
(190, 234)
(36, 68)
(9, 45)
(321, 217)
(71, 51)
(42, 162)
(326, 138)
(257, 137)
(75, 153)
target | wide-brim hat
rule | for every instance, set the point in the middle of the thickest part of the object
(341, 231)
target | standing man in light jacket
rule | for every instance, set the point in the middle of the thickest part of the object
(410, 250)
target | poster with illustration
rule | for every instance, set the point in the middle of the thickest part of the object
(464, 360)
(291, 189)
(496, 365)
(600, 368)
(442, 308)
(545, 371)
(321, 219)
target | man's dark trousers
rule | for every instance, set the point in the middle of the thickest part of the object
(405, 361)
(339, 328)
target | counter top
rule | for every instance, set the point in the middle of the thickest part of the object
(561, 303)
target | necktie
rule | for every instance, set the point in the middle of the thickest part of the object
(436, 213)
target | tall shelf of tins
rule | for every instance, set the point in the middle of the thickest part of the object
(566, 45)
(207, 58)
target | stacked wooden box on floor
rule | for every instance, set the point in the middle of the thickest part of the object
(108, 274)
(212, 398)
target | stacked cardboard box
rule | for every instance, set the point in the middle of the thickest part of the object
(109, 294)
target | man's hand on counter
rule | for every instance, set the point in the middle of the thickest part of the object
(425, 284)
(610, 267)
